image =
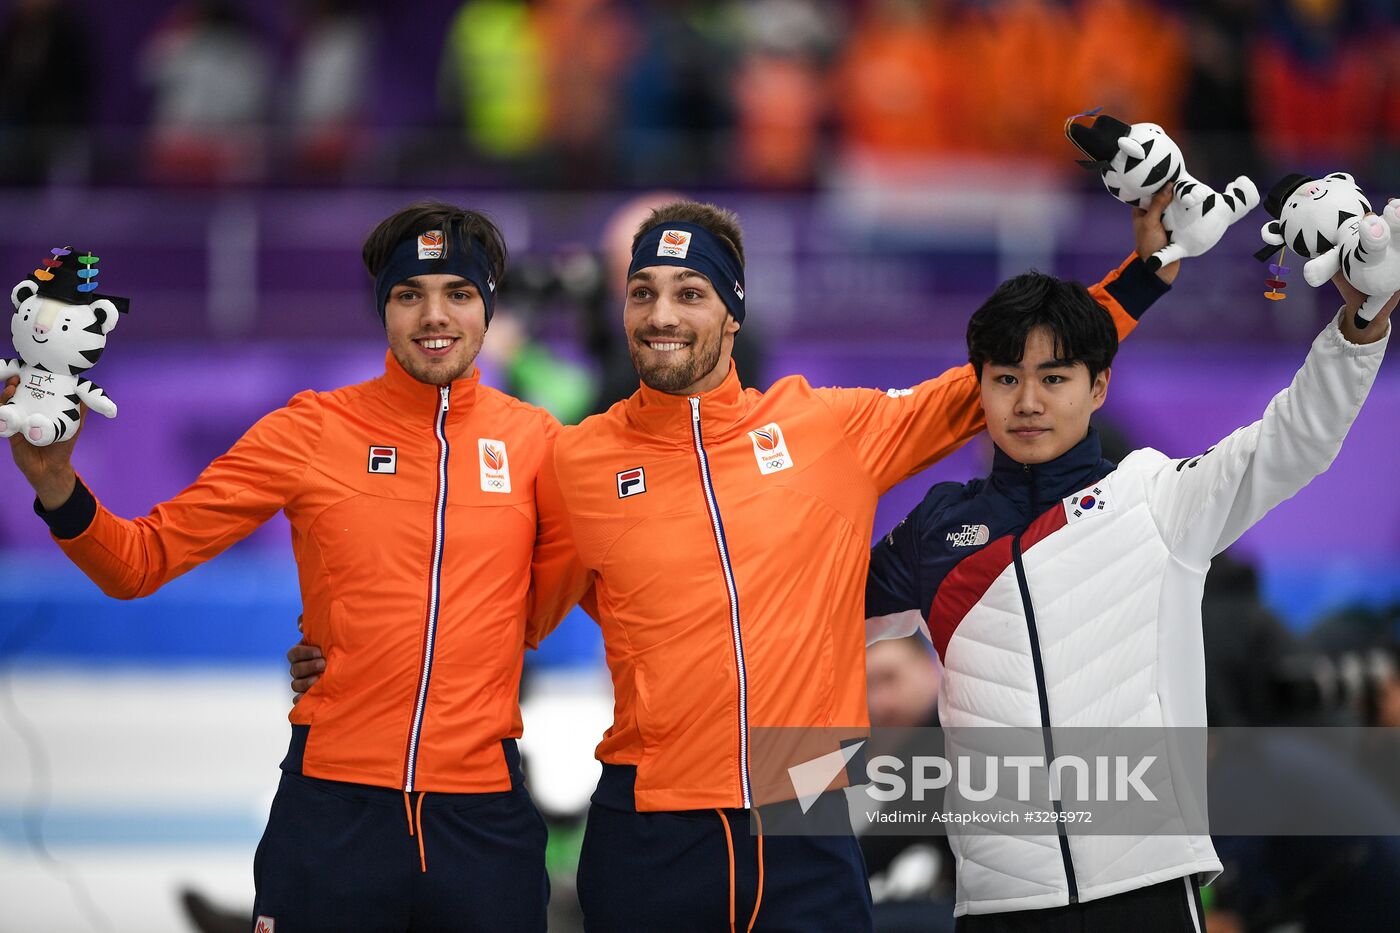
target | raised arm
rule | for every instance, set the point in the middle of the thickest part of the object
(903, 431)
(1204, 503)
(233, 496)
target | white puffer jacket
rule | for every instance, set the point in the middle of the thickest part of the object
(1092, 617)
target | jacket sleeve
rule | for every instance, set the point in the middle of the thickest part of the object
(233, 496)
(898, 433)
(894, 598)
(558, 579)
(1203, 504)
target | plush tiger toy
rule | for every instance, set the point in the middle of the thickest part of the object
(1328, 222)
(1136, 161)
(60, 329)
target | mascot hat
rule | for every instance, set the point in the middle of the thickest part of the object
(71, 277)
(1281, 191)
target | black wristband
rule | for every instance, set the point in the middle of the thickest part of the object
(73, 517)
(1136, 288)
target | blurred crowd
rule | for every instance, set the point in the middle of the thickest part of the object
(750, 93)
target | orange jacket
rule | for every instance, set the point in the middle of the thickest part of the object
(729, 533)
(414, 530)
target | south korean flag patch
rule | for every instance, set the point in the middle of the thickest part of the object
(1088, 502)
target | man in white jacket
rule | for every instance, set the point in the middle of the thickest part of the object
(1065, 591)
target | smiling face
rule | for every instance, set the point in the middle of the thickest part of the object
(679, 333)
(435, 325)
(1039, 408)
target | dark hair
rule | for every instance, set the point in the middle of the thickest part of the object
(1082, 329)
(721, 222)
(457, 224)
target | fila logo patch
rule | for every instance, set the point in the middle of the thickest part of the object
(430, 245)
(970, 536)
(383, 459)
(1088, 503)
(265, 925)
(631, 483)
(495, 465)
(674, 243)
(770, 449)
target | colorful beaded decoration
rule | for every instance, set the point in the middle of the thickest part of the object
(56, 260)
(89, 273)
(1277, 270)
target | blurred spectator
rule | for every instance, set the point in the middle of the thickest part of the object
(1316, 884)
(493, 78)
(586, 43)
(1024, 48)
(676, 113)
(329, 78)
(210, 72)
(781, 90)
(1127, 56)
(45, 88)
(906, 80)
(1216, 112)
(1319, 88)
(1245, 644)
(911, 877)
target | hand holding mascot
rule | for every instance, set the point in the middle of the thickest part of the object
(1328, 221)
(1137, 161)
(59, 329)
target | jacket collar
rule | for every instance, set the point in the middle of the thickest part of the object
(413, 398)
(665, 415)
(1043, 483)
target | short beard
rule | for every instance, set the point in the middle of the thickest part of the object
(676, 378)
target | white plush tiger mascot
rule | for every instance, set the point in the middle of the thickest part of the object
(1136, 161)
(1328, 221)
(60, 329)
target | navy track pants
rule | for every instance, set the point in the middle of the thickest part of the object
(338, 857)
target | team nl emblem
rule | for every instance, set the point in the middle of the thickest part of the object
(430, 244)
(674, 243)
(495, 466)
(770, 449)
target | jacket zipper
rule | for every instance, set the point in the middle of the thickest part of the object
(718, 526)
(1041, 689)
(434, 593)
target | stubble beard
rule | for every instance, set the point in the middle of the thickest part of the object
(676, 377)
(444, 371)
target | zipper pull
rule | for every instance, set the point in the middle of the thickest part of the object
(695, 409)
(445, 392)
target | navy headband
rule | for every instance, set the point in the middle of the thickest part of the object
(428, 254)
(673, 243)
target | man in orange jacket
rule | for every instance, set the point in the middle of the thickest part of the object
(726, 532)
(412, 501)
